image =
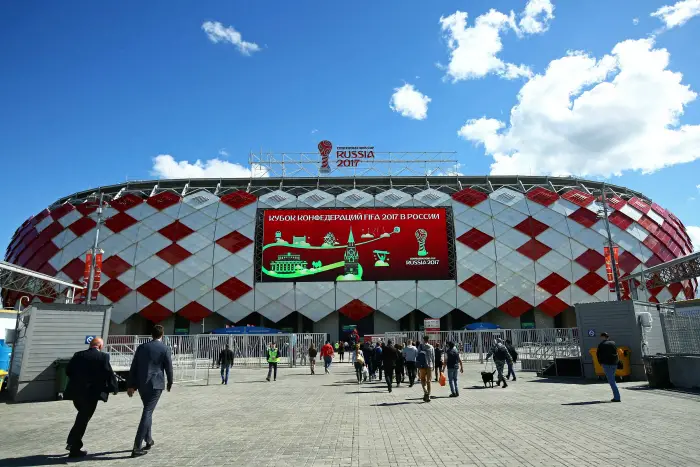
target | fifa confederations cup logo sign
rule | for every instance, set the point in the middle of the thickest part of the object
(324, 148)
(421, 237)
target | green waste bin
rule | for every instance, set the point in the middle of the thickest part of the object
(61, 377)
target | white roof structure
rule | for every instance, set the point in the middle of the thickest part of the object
(33, 283)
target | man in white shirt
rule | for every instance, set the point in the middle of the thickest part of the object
(410, 352)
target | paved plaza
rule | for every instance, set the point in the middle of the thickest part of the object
(327, 420)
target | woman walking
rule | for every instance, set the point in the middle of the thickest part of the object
(312, 358)
(341, 350)
(359, 363)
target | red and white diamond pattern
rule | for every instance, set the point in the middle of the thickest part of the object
(167, 254)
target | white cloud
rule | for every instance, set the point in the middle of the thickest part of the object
(474, 49)
(678, 14)
(593, 117)
(165, 166)
(635, 21)
(223, 152)
(314, 131)
(216, 32)
(536, 16)
(410, 102)
(694, 234)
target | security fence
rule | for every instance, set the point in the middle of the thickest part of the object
(193, 356)
(681, 332)
(536, 347)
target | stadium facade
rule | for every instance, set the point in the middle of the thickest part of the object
(195, 255)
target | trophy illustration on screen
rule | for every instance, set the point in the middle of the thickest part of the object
(421, 237)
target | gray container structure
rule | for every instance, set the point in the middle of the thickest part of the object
(47, 332)
(620, 320)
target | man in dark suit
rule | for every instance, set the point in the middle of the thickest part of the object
(146, 376)
(225, 362)
(90, 379)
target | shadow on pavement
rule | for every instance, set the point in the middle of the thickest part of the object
(563, 380)
(389, 404)
(646, 387)
(479, 387)
(58, 459)
(588, 403)
(366, 392)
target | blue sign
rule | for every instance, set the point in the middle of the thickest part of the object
(591, 333)
(89, 339)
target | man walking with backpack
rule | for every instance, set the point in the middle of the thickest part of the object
(500, 357)
(410, 353)
(514, 355)
(425, 361)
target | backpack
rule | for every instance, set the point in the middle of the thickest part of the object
(422, 358)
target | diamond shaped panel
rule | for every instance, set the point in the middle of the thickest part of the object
(155, 312)
(515, 307)
(578, 197)
(470, 197)
(119, 222)
(534, 249)
(591, 283)
(234, 242)
(620, 220)
(153, 289)
(175, 231)
(114, 266)
(477, 285)
(475, 239)
(174, 254)
(554, 283)
(356, 310)
(82, 226)
(542, 196)
(553, 306)
(194, 312)
(531, 227)
(233, 288)
(114, 290)
(584, 217)
(125, 202)
(238, 199)
(591, 260)
(163, 200)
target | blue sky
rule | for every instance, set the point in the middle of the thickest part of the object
(92, 92)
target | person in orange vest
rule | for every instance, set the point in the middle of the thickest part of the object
(327, 354)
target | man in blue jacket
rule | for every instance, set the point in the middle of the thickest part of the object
(151, 360)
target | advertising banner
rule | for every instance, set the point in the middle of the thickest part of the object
(608, 266)
(372, 244)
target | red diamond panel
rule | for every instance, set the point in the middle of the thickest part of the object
(515, 307)
(591, 283)
(45, 253)
(584, 217)
(653, 261)
(173, 254)
(615, 202)
(47, 269)
(194, 312)
(61, 211)
(553, 306)
(233, 288)
(675, 289)
(127, 201)
(653, 300)
(542, 196)
(119, 222)
(75, 269)
(234, 241)
(591, 260)
(163, 200)
(620, 220)
(534, 249)
(470, 197)
(153, 289)
(155, 312)
(554, 283)
(639, 205)
(649, 224)
(40, 216)
(87, 208)
(356, 310)
(475, 238)
(114, 266)
(238, 199)
(114, 289)
(627, 262)
(659, 210)
(578, 197)
(531, 227)
(175, 231)
(477, 285)
(82, 226)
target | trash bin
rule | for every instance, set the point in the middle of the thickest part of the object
(61, 377)
(656, 368)
(623, 354)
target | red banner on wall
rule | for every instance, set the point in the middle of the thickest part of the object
(608, 265)
(98, 275)
(319, 245)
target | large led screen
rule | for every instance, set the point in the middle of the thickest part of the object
(373, 244)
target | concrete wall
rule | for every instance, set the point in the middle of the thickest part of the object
(330, 325)
(384, 323)
(214, 321)
(568, 318)
(502, 319)
(542, 321)
(684, 371)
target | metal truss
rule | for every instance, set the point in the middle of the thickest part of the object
(383, 164)
(33, 283)
(336, 184)
(661, 275)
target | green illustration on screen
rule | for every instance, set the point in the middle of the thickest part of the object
(421, 237)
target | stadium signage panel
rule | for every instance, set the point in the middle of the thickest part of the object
(321, 245)
(345, 156)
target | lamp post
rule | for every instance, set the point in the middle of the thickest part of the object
(603, 214)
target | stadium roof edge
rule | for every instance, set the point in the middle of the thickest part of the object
(276, 182)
